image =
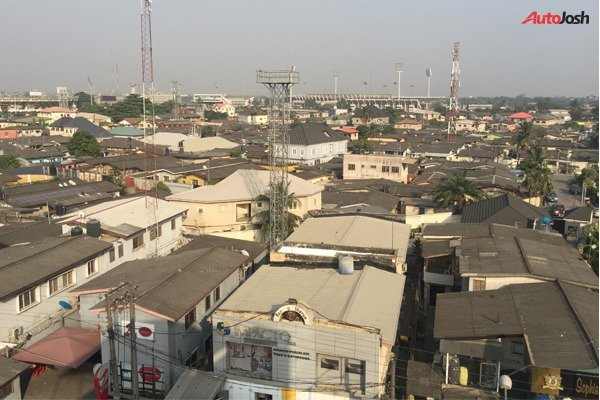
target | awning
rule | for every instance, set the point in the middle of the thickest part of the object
(65, 347)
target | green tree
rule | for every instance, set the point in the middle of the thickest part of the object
(343, 104)
(544, 104)
(573, 126)
(537, 177)
(589, 246)
(163, 108)
(363, 146)
(264, 217)
(393, 114)
(575, 110)
(592, 139)
(8, 162)
(455, 190)
(83, 144)
(388, 130)
(208, 131)
(525, 137)
(130, 107)
(85, 103)
(163, 187)
(310, 104)
(588, 179)
(439, 108)
(237, 153)
(211, 115)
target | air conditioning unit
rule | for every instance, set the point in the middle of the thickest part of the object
(16, 332)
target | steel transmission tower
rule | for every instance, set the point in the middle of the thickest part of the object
(279, 84)
(454, 85)
(148, 94)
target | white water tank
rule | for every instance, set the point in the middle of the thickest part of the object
(346, 265)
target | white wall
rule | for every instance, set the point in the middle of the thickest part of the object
(310, 340)
(492, 283)
(415, 221)
(321, 152)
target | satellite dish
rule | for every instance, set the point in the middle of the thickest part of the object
(65, 305)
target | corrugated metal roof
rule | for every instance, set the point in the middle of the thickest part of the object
(172, 285)
(30, 264)
(243, 184)
(334, 297)
(352, 231)
(195, 384)
(518, 257)
(505, 209)
(559, 320)
(10, 369)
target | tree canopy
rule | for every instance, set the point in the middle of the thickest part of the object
(456, 190)
(212, 115)
(264, 217)
(537, 177)
(83, 144)
(8, 162)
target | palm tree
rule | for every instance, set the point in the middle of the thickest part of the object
(264, 217)
(523, 139)
(537, 178)
(456, 190)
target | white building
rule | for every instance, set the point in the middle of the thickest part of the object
(314, 143)
(175, 296)
(377, 166)
(34, 277)
(253, 116)
(135, 229)
(293, 333)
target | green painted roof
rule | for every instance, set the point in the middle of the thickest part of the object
(127, 131)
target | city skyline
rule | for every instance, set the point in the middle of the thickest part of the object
(218, 47)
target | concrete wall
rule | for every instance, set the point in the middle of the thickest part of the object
(415, 221)
(492, 283)
(295, 359)
(371, 167)
(223, 217)
(37, 317)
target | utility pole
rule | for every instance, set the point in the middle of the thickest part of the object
(116, 392)
(335, 79)
(133, 338)
(454, 85)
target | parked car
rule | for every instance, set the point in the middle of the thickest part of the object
(557, 210)
(551, 197)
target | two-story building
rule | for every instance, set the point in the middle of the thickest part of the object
(300, 333)
(137, 227)
(233, 204)
(313, 143)
(35, 278)
(377, 166)
(253, 116)
(174, 298)
(370, 115)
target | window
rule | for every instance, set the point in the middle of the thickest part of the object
(395, 170)
(6, 389)
(200, 211)
(478, 284)
(92, 268)
(263, 396)
(28, 299)
(190, 318)
(294, 151)
(313, 152)
(223, 208)
(121, 251)
(192, 359)
(517, 349)
(301, 152)
(373, 166)
(207, 303)
(173, 224)
(217, 294)
(259, 204)
(61, 282)
(155, 232)
(385, 168)
(330, 363)
(111, 255)
(329, 370)
(138, 241)
(351, 167)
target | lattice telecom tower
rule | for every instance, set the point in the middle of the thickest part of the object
(148, 93)
(279, 84)
(454, 85)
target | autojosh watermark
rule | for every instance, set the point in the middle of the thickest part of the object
(557, 19)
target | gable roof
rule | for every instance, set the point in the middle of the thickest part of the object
(243, 184)
(310, 133)
(559, 321)
(372, 111)
(81, 124)
(579, 214)
(334, 297)
(504, 209)
(520, 115)
(28, 265)
(515, 256)
(170, 286)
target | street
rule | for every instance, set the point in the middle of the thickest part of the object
(561, 184)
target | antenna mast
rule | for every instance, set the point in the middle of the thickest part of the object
(279, 84)
(454, 85)
(148, 94)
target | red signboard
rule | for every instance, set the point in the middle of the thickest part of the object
(150, 374)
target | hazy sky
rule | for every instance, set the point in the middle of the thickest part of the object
(216, 46)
